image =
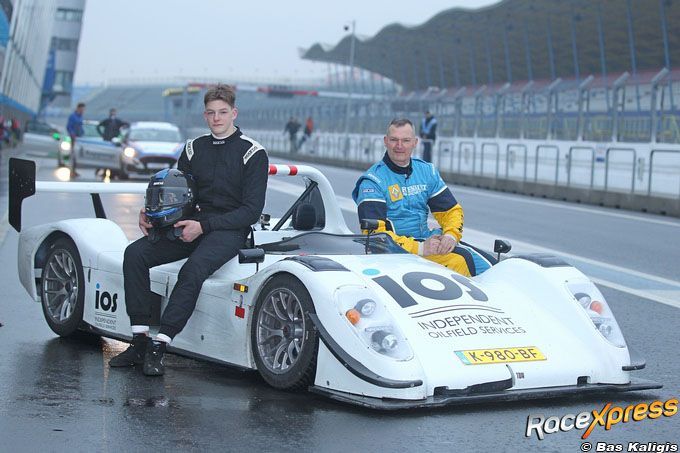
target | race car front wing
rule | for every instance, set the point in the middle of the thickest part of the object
(446, 397)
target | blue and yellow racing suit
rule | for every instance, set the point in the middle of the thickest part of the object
(400, 197)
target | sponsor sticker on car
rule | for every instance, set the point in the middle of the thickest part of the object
(500, 355)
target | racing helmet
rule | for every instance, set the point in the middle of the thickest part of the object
(170, 197)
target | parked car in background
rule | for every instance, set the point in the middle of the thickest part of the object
(91, 150)
(149, 146)
(143, 149)
(41, 132)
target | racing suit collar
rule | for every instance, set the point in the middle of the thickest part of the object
(396, 168)
(237, 133)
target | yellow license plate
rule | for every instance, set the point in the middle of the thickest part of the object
(501, 355)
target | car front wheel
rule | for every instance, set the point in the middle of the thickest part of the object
(285, 342)
(62, 289)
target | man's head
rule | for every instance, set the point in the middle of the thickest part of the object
(428, 114)
(80, 108)
(220, 109)
(112, 113)
(400, 141)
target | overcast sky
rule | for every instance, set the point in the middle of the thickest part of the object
(134, 39)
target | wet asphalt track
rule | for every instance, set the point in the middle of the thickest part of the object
(59, 394)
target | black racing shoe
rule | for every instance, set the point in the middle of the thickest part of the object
(153, 359)
(134, 354)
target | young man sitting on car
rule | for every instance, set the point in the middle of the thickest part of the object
(231, 172)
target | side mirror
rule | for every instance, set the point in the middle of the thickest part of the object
(369, 224)
(501, 246)
(116, 141)
(249, 256)
(264, 221)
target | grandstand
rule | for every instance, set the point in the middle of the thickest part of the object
(515, 40)
(566, 70)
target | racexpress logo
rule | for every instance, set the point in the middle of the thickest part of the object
(607, 417)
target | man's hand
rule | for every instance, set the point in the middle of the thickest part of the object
(191, 230)
(144, 224)
(431, 245)
(446, 244)
(438, 245)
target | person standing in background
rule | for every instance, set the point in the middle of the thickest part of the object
(111, 126)
(307, 133)
(74, 128)
(16, 130)
(3, 133)
(428, 132)
(292, 127)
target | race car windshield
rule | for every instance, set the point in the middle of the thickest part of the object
(163, 197)
(317, 243)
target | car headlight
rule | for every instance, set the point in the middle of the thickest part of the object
(592, 301)
(65, 146)
(129, 152)
(372, 322)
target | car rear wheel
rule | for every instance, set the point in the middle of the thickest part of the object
(62, 288)
(284, 340)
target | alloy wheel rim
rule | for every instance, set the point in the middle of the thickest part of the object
(60, 287)
(280, 331)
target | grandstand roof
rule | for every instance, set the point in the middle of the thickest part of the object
(511, 41)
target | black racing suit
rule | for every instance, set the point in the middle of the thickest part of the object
(231, 178)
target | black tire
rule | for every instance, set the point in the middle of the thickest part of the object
(62, 288)
(288, 360)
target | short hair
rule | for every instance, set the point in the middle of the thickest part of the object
(221, 92)
(400, 122)
(80, 104)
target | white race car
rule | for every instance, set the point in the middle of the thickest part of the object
(353, 317)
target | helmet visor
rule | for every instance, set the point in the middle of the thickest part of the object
(159, 198)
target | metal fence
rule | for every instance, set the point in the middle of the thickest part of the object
(645, 169)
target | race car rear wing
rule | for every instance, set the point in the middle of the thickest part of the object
(22, 184)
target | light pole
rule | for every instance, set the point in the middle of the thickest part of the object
(350, 84)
